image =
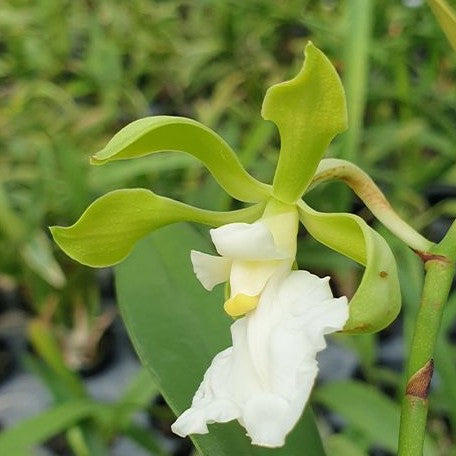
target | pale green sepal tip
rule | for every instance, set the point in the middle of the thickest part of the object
(106, 232)
(377, 300)
(309, 110)
(167, 133)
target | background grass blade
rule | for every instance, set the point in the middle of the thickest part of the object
(368, 410)
(446, 16)
(38, 429)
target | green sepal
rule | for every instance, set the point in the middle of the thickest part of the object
(377, 300)
(166, 133)
(309, 111)
(109, 228)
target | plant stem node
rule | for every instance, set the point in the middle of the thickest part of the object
(419, 383)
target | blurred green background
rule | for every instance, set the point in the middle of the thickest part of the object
(72, 73)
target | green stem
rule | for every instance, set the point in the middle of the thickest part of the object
(440, 269)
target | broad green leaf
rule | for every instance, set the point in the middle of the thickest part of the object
(377, 300)
(21, 438)
(177, 327)
(165, 133)
(108, 229)
(367, 409)
(309, 111)
(446, 16)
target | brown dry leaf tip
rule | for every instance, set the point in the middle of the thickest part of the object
(419, 383)
(427, 256)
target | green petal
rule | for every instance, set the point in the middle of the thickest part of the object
(377, 301)
(164, 133)
(108, 229)
(309, 111)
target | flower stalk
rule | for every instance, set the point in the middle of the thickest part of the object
(440, 269)
(374, 199)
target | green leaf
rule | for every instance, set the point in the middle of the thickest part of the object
(365, 408)
(377, 301)
(35, 430)
(309, 111)
(108, 229)
(165, 133)
(178, 327)
(447, 19)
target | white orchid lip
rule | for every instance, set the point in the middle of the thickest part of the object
(265, 378)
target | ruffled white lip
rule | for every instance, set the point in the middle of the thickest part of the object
(264, 379)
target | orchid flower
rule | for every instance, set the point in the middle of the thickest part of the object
(264, 379)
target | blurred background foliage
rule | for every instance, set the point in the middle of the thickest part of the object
(72, 73)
